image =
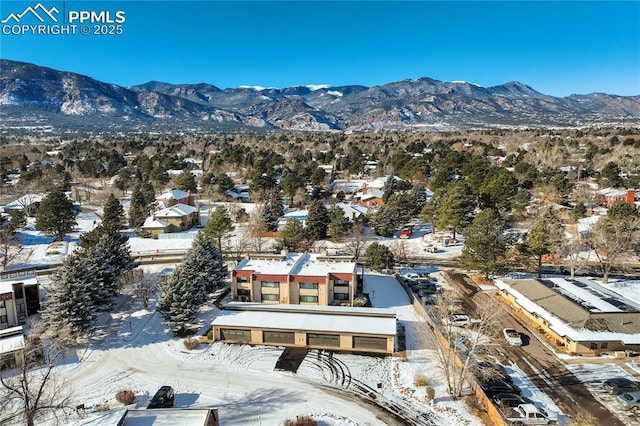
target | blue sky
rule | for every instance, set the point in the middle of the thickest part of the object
(558, 48)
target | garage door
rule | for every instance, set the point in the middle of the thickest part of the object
(235, 335)
(278, 337)
(323, 340)
(377, 343)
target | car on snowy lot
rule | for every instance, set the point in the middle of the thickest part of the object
(509, 399)
(512, 336)
(528, 414)
(618, 385)
(457, 320)
(163, 398)
(494, 387)
(630, 401)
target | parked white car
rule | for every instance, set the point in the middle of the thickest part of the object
(512, 336)
(458, 320)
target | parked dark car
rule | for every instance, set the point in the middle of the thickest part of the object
(618, 385)
(494, 387)
(509, 399)
(163, 398)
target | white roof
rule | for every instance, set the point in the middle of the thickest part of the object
(309, 320)
(177, 210)
(166, 417)
(174, 194)
(310, 264)
(150, 222)
(13, 342)
(6, 286)
(25, 200)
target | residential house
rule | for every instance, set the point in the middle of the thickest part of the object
(177, 218)
(610, 196)
(295, 278)
(176, 196)
(371, 197)
(19, 297)
(575, 316)
(239, 193)
(29, 203)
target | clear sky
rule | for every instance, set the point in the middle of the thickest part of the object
(558, 48)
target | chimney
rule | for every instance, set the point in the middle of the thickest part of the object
(631, 196)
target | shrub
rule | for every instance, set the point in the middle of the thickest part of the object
(420, 380)
(300, 421)
(190, 343)
(125, 397)
(103, 407)
(359, 301)
(431, 393)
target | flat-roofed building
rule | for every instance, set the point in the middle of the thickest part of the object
(11, 346)
(295, 278)
(370, 330)
(19, 297)
(576, 315)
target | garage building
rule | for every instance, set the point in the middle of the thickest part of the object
(369, 330)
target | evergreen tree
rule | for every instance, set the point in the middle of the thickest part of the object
(218, 225)
(385, 221)
(419, 192)
(339, 225)
(69, 301)
(456, 207)
(272, 210)
(485, 246)
(55, 215)
(113, 215)
(187, 182)
(204, 263)
(317, 220)
(379, 257)
(138, 208)
(545, 237)
(180, 299)
(292, 235)
(107, 251)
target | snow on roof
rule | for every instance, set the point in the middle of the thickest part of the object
(584, 297)
(177, 210)
(150, 222)
(298, 214)
(174, 194)
(6, 286)
(568, 318)
(311, 318)
(11, 340)
(371, 193)
(308, 264)
(25, 200)
(167, 417)
(352, 210)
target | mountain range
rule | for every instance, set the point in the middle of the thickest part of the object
(32, 95)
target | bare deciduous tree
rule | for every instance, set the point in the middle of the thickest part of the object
(140, 285)
(33, 391)
(456, 346)
(611, 239)
(257, 229)
(356, 243)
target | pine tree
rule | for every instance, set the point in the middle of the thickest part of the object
(317, 220)
(187, 182)
(55, 215)
(378, 256)
(384, 221)
(113, 215)
(456, 208)
(291, 235)
(272, 210)
(218, 225)
(545, 237)
(485, 247)
(204, 263)
(138, 208)
(69, 298)
(339, 225)
(180, 299)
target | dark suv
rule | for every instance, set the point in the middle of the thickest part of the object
(163, 398)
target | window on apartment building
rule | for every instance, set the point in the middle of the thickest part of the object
(1, 304)
(341, 296)
(243, 292)
(242, 280)
(309, 286)
(341, 283)
(308, 299)
(271, 297)
(3, 319)
(21, 308)
(270, 284)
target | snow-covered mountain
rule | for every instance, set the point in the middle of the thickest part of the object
(60, 98)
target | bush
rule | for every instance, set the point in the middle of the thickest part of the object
(190, 343)
(431, 393)
(125, 397)
(359, 301)
(300, 421)
(420, 380)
